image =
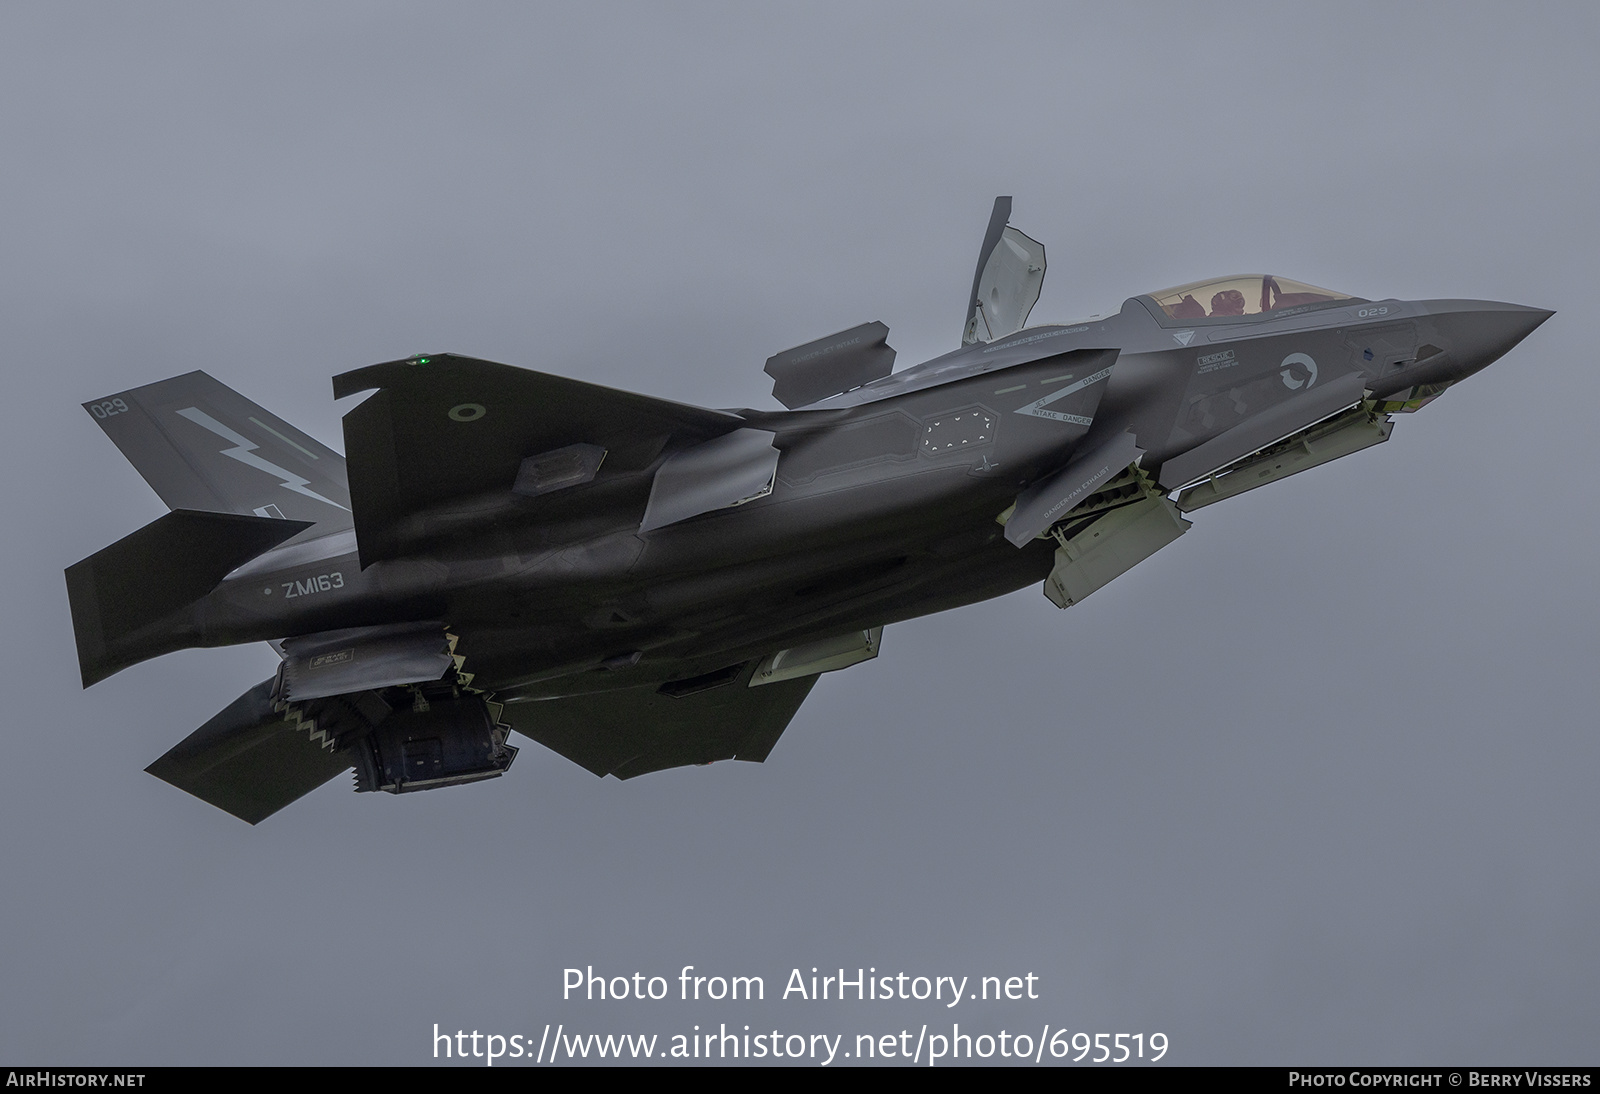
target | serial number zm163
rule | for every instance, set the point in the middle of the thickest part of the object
(319, 584)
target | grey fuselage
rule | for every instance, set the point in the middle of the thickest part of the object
(884, 506)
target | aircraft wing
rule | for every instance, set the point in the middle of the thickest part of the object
(442, 428)
(638, 730)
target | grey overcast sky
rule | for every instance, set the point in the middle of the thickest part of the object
(1315, 785)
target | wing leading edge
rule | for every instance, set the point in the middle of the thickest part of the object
(442, 428)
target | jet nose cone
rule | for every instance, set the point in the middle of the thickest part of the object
(1477, 333)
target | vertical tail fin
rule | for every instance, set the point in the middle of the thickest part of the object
(202, 446)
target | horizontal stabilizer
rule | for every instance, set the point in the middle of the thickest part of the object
(840, 362)
(442, 428)
(121, 595)
(248, 761)
(201, 445)
(1269, 427)
(638, 730)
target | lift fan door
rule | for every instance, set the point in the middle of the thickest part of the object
(1008, 282)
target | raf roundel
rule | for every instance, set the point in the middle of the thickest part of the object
(1292, 381)
(467, 412)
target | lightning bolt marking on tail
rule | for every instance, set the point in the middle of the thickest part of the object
(244, 452)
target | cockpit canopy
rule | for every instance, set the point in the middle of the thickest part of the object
(1240, 295)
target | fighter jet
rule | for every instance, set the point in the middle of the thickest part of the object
(640, 584)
